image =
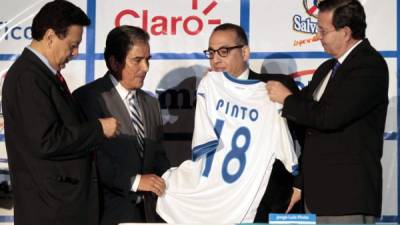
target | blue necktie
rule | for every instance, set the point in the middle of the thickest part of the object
(334, 69)
(136, 121)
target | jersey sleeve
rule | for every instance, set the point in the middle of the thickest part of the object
(285, 148)
(205, 139)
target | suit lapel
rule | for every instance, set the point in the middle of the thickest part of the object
(69, 98)
(350, 59)
(339, 75)
(116, 106)
(46, 72)
(319, 77)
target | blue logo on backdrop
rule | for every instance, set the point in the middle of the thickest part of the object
(14, 32)
(306, 24)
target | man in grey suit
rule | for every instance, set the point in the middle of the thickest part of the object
(129, 165)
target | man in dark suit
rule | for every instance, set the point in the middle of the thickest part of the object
(129, 165)
(344, 109)
(229, 51)
(48, 139)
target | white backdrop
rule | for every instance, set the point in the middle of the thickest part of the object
(282, 40)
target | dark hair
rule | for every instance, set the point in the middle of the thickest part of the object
(348, 13)
(240, 34)
(57, 15)
(120, 41)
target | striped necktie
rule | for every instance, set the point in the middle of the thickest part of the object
(137, 121)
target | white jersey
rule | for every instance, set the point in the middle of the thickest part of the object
(237, 136)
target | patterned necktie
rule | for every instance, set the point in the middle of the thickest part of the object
(334, 69)
(136, 121)
(62, 82)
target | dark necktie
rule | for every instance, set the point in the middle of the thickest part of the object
(137, 121)
(334, 69)
(61, 79)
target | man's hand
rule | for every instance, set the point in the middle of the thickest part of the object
(277, 91)
(153, 183)
(296, 196)
(110, 126)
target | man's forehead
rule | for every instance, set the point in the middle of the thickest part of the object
(325, 16)
(74, 33)
(222, 38)
(140, 49)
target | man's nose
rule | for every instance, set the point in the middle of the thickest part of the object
(216, 58)
(145, 65)
(75, 52)
(318, 35)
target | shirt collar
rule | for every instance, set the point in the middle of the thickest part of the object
(42, 58)
(344, 56)
(244, 75)
(122, 91)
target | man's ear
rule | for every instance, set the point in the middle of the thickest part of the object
(246, 52)
(347, 32)
(115, 65)
(49, 36)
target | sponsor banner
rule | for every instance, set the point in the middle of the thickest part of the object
(15, 24)
(174, 25)
(291, 25)
(283, 31)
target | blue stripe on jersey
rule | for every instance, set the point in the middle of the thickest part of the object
(204, 149)
(235, 80)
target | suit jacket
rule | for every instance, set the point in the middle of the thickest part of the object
(118, 158)
(279, 190)
(341, 170)
(48, 142)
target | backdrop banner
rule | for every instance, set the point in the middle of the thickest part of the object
(282, 40)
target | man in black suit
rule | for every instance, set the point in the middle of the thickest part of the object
(344, 109)
(129, 165)
(228, 51)
(48, 139)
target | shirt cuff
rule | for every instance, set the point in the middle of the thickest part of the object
(136, 182)
(297, 189)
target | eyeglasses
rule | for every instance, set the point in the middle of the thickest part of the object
(223, 51)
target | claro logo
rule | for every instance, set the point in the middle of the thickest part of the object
(164, 25)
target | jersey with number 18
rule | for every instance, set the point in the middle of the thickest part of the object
(237, 136)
